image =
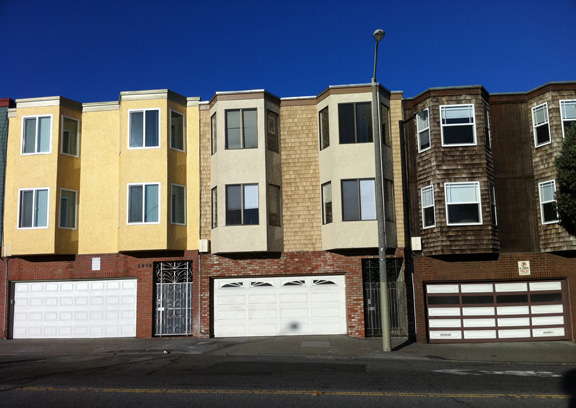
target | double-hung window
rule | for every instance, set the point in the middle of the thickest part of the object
(548, 201)
(242, 204)
(37, 134)
(33, 208)
(178, 207)
(355, 122)
(69, 136)
(68, 205)
(568, 112)
(272, 134)
(541, 125)
(274, 205)
(458, 125)
(423, 128)
(327, 203)
(324, 125)
(144, 128)
(176, 130)
(144, 203)
(241, 129)
(463, 203)
(428, 207)
(358, 200)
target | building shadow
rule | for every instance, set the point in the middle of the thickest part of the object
(569, 387)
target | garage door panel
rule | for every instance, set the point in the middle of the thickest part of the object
(263, 314)
(549, 332)
(479, 334)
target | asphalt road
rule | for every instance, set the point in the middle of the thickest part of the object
(153, 380)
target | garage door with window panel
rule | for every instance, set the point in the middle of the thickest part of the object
(74, 309)
(292, 305)
(498, 311)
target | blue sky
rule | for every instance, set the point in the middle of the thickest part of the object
(91, 50)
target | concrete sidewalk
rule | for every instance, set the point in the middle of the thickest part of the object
(340, 346)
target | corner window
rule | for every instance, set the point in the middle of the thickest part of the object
(548, 202)
(458, 127)
(355, 122)
(178, 207)
(143, 203)
(68, 205)
(540, 125)
(242, 204)
(463, 203)
(241, 129)
(213, 138)
(389, 212)
(428, 207)
(385, 136)
(358, 200)
(493, 212)
(176, 130)
(568, 113)
(33, 208)
(326, 203)
(272, 135)
(487, 128)
(423, 129)
(274, 200)
(324, 124)
(69, 136)
(37, 134)
(144, 128)
(214, 207)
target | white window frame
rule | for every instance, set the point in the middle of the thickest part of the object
(536, 125)
(172, 204)
(34, 190)
(476, 184)
(540, 185)
(421, 131)
(183, 131)
(446, 108)
(75, 209)
(37, 117)
(77, 137)
(424, 190)
(143, 203)
(563, 113)
(130, 112)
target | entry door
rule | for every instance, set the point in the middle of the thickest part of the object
(173, 298)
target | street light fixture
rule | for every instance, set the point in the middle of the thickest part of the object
(380, 215)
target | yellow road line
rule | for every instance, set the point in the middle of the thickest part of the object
(282, 392)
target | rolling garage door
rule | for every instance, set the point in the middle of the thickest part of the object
(74, 309)
(293, 305)
(498, 311)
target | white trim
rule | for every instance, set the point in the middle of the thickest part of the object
(130, 111)
(431, 188)
(33, 189)
(534, 125)
(36, 134)
(550, 201)
(143, 203)
(172, 207)
(479, 202)
(75, 209)
(183, 130)
(562, 118)
(473, 124)
(419, 131)
(77, 137)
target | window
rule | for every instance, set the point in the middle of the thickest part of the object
(389, 200)
(178, 209)
(213, 138)
(487, 128)
(326, 203)
(540, 125)
(241, 129)
(176, 130)
(385, 135)
(423, 129)
(69, 136)
(214, 207)
(568, 112)
(144, 128)
(274, 201)
(323, 121)
(37, 134)
(272, 134)
(463, 203)
(548, 202)
(493, 213)
(242, 204)
(458, 127)
(358, 200)
(33, 208)
(428, 207)
(143, 203)
(67, 209)
(355, 122)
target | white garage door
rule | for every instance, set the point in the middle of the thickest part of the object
(75, 309)
(291, 305)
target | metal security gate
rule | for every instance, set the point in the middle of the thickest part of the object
(396, 297)
(173, 298)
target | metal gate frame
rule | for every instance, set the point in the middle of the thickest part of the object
(174, 291)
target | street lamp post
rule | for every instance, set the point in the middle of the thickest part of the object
(380, 215)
